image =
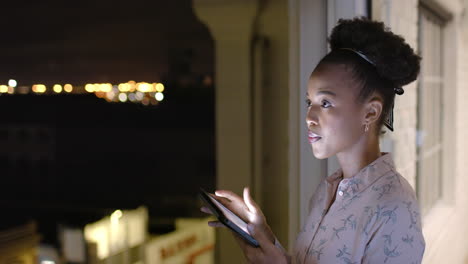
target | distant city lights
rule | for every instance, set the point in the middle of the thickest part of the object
(131, 91)
(132, 97)
(3, 89)
(39, 88)
(123, 97)
(57, 88)
(12, 83)
(159, 87)
(159, 96)
(68, 88)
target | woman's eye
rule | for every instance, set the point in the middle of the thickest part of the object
(325, 104)
(308, 102)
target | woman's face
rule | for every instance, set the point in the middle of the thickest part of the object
(335, 119)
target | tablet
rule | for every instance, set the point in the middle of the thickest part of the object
(227, 217)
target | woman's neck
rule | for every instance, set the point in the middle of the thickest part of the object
(359, 156)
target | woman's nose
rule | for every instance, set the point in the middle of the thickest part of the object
(311, 118)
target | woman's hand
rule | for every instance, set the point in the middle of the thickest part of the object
(267, 253)
(250, 212)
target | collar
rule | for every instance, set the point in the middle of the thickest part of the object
(364, 178)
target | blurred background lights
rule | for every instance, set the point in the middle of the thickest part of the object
(47, 262)
(139, 96)
(39, 88)
(131, 97)
(68, 88)
(124, 87)
(89, 88)
(3, 89)
(110, 95)
(146, 93)
(159, 96)
(160, 87)
(12, 83)
(144, 87)
(132, 86)
(106, 87)
(57, 88)
(122, 97)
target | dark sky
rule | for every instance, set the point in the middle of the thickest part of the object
(99, 41)
(95, 157)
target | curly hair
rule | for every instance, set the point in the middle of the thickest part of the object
(394, 62)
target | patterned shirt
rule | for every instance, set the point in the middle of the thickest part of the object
(374, 219)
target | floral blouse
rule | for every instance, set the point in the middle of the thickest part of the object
(374, 219)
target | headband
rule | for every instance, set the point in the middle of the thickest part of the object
(398, 90)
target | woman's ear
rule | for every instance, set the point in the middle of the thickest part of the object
(373, 110)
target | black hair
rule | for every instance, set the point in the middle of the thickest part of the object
(393, 63)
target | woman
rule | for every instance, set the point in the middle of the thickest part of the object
(366, 212)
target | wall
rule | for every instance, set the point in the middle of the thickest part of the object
(443, 226)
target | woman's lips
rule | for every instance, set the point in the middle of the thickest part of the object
(313, 137)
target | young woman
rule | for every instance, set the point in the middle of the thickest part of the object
(366, 212)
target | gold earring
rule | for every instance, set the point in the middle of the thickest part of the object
(366, 128)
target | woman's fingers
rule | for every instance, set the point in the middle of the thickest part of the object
(253, 207)
(206, 210)
(229, 195)
(234, 203)
(215, 224)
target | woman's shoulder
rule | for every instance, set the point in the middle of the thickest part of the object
(393, 197)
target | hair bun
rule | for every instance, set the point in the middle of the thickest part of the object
(394, 59)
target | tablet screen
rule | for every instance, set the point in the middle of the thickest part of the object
(230, 215)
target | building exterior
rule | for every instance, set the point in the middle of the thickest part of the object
(265, 51)
(20, 244)
(123, 238)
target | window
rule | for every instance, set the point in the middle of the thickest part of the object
(430, 110)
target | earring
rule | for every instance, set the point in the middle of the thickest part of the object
(366, 128)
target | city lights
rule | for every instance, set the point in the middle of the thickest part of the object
(3, 89)
(106, 87)
(57, 88)
(132, 85)
(124, 87)
(159, 96)
(145, 93)
(139, 96)
(131, 97)
(160, 87)
(39, 88)
(144, 87)
(89, 88)
(110, 96)
(123, 97)
(12, 83)
(68, 88)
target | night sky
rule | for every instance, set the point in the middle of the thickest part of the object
(70, 159)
